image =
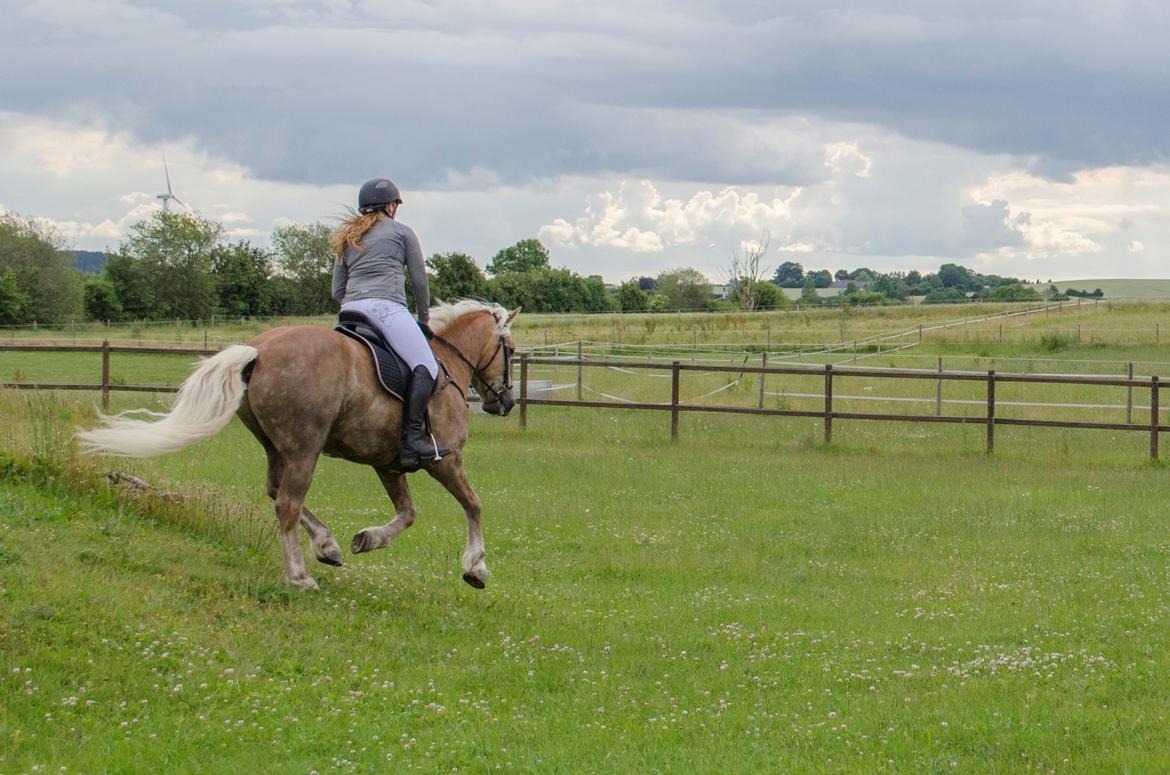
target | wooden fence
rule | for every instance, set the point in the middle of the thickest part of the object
(828, 414)
(675, 407)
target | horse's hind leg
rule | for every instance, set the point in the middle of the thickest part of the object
(378, 537)
(325, 548)
(290, 503)
(451, 475)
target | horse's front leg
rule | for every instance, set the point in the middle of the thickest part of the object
(379, 537)
(451, 475)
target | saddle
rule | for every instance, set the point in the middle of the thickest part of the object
(390, 369)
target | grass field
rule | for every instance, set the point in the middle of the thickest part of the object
(1104, 323)
(1118, 289)
(743, 600)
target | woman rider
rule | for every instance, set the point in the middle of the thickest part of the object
(374, 253)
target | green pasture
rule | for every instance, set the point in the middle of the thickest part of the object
(743, 600)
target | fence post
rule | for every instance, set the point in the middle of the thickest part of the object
(674, 384)
(920, 334)
(828, 403)
(523, 390)
(1129, 396)
(938, 390)
(763, 376)
(105, 375)
(991, 411)
(1154, 418)
(580, 358)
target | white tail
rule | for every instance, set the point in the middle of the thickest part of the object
(206, 403)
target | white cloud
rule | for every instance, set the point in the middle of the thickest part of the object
(847, 158)
(639, 219)
(1088, 215)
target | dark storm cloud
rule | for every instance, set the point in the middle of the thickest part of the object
(329, 92)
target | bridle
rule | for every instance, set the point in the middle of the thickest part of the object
(477, 371)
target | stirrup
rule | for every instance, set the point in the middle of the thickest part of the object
(435, 443)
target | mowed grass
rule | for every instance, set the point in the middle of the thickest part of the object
(743, 600)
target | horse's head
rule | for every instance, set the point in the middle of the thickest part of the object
(493, 380)
(483, 341)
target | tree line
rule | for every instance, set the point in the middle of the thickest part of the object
(179, 266)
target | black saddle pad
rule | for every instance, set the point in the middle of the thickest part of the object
(389, 368)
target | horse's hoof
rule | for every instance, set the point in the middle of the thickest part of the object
(305, 584)
(362, 542)
(331, 556)
(474, 580)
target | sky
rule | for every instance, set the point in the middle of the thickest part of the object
(1028, 138)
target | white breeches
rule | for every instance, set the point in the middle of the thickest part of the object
(400, 330)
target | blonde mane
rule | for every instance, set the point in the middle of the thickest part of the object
(444, 315)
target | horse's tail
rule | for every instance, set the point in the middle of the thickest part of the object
(206, 403)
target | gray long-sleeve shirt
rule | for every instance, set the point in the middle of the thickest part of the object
(378, 270)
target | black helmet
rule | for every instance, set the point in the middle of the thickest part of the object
(376, 194)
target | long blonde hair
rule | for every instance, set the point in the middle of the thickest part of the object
(353, 227)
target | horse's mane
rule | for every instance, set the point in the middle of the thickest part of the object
(444, 315)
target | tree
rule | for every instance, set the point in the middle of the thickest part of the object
(125, 275)
(101, 300)
(685, 288)
(49, 286)
(789, 275)
(808, 294)
(955, 276)
(766, 295)
(14, 303)
(527, 255)
(745, 271)
(456, 276)
(631, 297)
(892, 285)
(1013, 292)
(822, 278)
(595, 297)
(841, 274)
(944, 296)
(174, 252)
(241, 279)
(302, 253)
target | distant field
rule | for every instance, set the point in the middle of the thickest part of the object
(1116, 289)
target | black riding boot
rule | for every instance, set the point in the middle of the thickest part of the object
(418, 447)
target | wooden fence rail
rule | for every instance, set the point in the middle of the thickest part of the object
(676, 407)
(828, 414)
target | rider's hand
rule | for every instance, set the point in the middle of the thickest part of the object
(426, 329)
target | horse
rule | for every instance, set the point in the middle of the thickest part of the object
(304, 391)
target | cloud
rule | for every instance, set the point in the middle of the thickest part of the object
(845, 157)
(512, 92)
(639, 219)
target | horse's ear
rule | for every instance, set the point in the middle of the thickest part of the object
(514, 313)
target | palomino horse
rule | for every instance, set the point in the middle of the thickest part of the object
(312, 391)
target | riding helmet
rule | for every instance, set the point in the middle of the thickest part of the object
(376, 194)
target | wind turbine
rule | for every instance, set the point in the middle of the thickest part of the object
(170, 194)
